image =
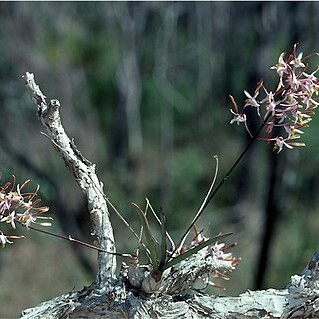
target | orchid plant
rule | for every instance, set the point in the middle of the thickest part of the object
(283, 115)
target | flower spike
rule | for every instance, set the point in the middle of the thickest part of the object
(289, 108)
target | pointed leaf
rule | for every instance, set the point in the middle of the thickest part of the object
(163, 239)
(159, 222)
(151, 244)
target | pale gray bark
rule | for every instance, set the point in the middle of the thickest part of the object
(150, 298)
(300, 299)
(84, 173)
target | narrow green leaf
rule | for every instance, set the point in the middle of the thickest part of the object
(150, 240)
(163, 239)
(126, 223)
(159, 222)
(194, 250)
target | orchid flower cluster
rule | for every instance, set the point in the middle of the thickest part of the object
(289, 108)
(20, 207)
(218, 251)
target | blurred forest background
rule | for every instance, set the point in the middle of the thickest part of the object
(144, 91)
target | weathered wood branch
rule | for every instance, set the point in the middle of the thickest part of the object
(84, 173)
(117, 298)
(300, 299)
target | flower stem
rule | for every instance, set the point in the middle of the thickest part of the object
(69, 238)
(222, 181)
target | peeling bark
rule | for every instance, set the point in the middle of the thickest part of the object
(84, 173)
(300, 299)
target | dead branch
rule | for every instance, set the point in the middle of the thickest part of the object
(84, 173)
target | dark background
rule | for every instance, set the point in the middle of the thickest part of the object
(144, 91)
